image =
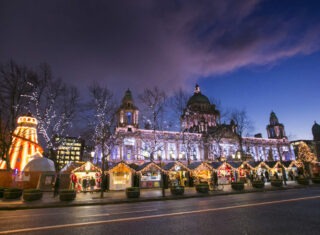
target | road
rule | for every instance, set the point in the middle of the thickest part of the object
(295, 211)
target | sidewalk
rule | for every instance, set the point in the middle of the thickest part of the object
(114, 197)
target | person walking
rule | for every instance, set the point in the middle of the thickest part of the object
(56, 186)
(92, 184)
(266, 173)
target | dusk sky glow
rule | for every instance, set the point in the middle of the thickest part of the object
(259, 55)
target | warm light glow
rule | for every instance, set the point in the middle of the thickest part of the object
(24, 143)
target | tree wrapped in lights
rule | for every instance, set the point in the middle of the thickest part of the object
(243, 124)
(101, 111)
(54, 104)
(154, 101)
(306, 156)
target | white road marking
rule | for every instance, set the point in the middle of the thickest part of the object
(51, 227)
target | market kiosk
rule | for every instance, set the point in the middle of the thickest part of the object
(201, 171)
(87, 177)
(178, 173)
(244, 170)
(225, 173)
(120, 176)
(150, 175)
(260, 171)
(275, 169)
(292, 169)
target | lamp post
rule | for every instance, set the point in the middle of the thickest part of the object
(92, 156)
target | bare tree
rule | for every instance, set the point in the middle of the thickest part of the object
(178, 101)
(243, 126)
(101, 111)
(54, 105)
(14, 80)
(154, 101)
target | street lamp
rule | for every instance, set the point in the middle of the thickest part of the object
(92, 156)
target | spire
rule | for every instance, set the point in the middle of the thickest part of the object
(197, 89)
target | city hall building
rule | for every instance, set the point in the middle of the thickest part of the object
(203, 137)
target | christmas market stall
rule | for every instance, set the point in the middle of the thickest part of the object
(150, 175)
(201, 171)
(260, 171)
(244, 171)
(276, 170)
(293, 168)
(87, 177)
(225, 172)
(121, 176)
(67, 178)
(178, 173)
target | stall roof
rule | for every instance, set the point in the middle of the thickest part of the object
(287, 164)
(254, 164)
(70, 166)
(145, 166)
(121, 163)
(271, 164)
(88, 166)
(171, 165)
(215, 165)
(135, 166)
(235, 165)
(195, 165)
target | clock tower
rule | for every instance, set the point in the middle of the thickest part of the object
(128, 113)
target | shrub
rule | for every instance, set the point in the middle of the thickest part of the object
(67, 195)
(32, 194)
(202, 188)
(237, 186)
(177, 190)
(2, 191)
(276, 183)
(316, 180)
(133, 192)
(12, 193)
(258, 184)
(303, 181)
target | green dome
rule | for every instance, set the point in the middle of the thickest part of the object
(198, 98)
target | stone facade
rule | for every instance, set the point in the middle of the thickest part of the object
(203, 137)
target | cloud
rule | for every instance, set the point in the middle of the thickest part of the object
(146, 43)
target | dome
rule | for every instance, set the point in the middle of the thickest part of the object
(198, 98)
(39, 164)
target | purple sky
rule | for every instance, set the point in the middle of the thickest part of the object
(258, 55)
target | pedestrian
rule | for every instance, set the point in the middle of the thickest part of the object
(262, 177)
(56, 186)
(92, 184)
(291, 175)
(284, 176)
(236, 176)
(215, 178)
(266, 174)
(84, 184)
